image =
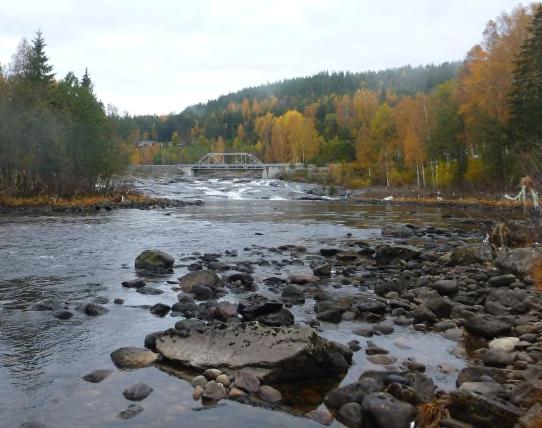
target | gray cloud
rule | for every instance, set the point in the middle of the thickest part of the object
(160, 56)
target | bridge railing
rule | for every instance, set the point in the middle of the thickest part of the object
(229, 161)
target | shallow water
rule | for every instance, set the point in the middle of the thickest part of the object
(76, 258)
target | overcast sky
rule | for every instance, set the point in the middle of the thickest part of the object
(163, 55)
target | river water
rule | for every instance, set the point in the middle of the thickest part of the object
(78, 258)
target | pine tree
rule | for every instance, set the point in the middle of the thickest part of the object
(38, 69)
(526, 96)
(86, 82)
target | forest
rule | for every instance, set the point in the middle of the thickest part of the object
(55, 137)
(459, 125)
(465, 124)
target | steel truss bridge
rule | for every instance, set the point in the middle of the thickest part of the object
(228, 161)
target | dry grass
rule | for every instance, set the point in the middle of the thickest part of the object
(536, 273)
(77, 201)
(430, 414)
(470, 201)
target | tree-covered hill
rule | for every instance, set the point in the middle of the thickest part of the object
(217, 120)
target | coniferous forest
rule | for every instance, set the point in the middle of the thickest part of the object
(55, 138)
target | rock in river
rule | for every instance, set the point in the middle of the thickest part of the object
(301, 278)
(137, 392)
(382, 410)
(154, 260)
(206, 278)
(519, 261)
(97, 375)
(482, 410)
(131, 357)
(487, 326)
(470, 254)
(274, 353)
(389, 254)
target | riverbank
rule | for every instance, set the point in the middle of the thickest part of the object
(409, 195)
(88, 203)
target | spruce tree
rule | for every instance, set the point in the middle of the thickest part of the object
(526, 96)
(86, 82)
(37, 68)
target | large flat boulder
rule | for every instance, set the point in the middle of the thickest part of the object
(276, 354)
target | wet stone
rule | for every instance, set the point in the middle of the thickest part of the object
(323, 417)
(97, 375)
(214, 391)
(131, 357)
(247, 381)
(269, 394)
(350, 415)
(159, 309)
(132, 411)
(93, 309)
(137, 392)
(199, 381)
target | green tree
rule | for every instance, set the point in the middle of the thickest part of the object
(38, 68)
(447, 140)
(526, 96)
(86, 82)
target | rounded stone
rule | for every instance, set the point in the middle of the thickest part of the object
(199, 381)
(212, 374)
(224, 379)
(270, 394)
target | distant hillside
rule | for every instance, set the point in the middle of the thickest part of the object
(221, 118)
(296, 93)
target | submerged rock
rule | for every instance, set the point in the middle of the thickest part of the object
(97, 375)
(137, 392)
(154, 260)
(132, 411)
(276, 354)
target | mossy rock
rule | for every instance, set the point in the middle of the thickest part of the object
(154, 260)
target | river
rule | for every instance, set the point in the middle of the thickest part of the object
(79, 258)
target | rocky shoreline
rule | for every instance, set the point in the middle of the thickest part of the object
(145, 204)
(241, 338)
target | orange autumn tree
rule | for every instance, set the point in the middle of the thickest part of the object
(411, 126)
(485, 84)
(293, 138)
